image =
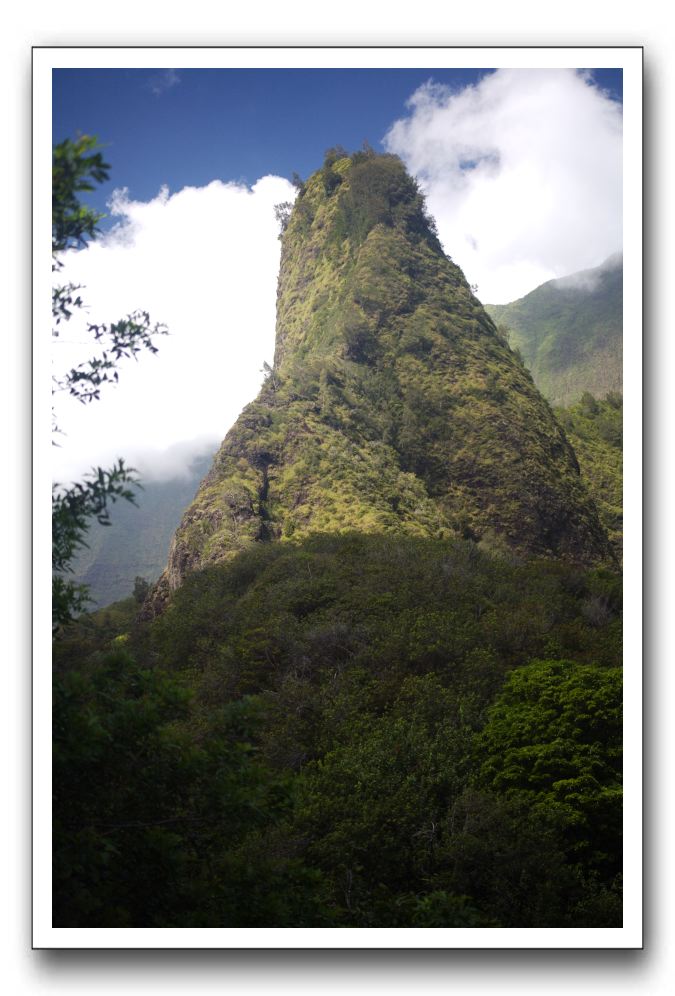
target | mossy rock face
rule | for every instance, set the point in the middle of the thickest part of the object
(394, 406)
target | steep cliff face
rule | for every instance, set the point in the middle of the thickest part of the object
(393, 405)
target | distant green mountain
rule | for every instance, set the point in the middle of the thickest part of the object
(569, 332)
(137, 541)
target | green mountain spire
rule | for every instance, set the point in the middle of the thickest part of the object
(393, 404)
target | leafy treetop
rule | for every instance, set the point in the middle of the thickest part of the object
(76, 167)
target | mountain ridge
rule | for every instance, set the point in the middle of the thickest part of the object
(569, 332)
(138, 537)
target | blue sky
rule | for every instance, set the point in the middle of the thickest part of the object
(521, 169)
(184, 127)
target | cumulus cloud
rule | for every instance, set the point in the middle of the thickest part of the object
(521, 171)
(204, 261)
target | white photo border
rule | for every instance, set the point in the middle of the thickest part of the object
(630, 60)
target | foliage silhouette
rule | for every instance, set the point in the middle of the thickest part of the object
(76, 167)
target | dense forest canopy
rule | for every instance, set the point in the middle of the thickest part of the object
(352, 730)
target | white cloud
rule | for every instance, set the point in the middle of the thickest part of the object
(163, 81)
(522, 173)
(204, 261)
(589, 280)
(175, 462)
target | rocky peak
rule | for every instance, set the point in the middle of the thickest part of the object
(393, 404)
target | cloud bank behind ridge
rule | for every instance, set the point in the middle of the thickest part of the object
(204, 261)
(522, 173)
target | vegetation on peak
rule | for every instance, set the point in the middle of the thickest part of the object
(393, 404)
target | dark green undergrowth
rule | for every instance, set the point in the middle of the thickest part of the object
(351, 730)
